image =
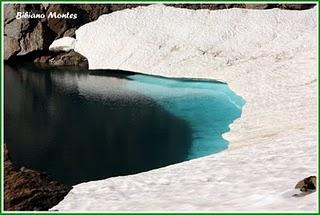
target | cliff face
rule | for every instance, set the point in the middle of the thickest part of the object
(30, 37)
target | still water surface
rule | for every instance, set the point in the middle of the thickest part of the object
(79, 126)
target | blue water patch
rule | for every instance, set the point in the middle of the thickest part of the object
(208, 106)
(78, 125)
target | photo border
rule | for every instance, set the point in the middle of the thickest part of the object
(147, 2)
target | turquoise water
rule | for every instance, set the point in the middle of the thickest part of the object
(78, 125)
(208, 106)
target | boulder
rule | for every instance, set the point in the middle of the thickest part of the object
(307, 184)
(71, 58)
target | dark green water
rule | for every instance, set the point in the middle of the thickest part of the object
(79, 127)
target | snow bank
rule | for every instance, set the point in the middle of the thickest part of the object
(269, 57)
(63, 44)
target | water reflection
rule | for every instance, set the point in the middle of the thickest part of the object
(79, 127)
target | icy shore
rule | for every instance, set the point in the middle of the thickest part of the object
(268, 57)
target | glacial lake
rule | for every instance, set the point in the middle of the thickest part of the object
(79, 125)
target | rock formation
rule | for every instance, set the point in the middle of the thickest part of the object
(307, 184)
(23, 36)
(29, 190)
(70, 58)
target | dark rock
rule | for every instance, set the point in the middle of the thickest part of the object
(257, 6)
(11, 47)
(22, 36)
(28, 190)
(91, 12)
(32, 41)
(117, 7)
(295, 6)
(70, 33)
(42, 59)
(8, 167)
(206, 6)
(60, 25)
(25, 37)
(247, 6)
(71, 58)
(307, 184)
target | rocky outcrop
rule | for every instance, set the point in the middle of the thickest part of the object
(23, 36)
(30, 38)
(59, 26)
(29, 190)
(307, 184)
(295, 6)
(70, 58)
(246, 6)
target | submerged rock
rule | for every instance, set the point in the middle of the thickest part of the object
(29, 190)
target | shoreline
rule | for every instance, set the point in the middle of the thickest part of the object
(29, 190)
